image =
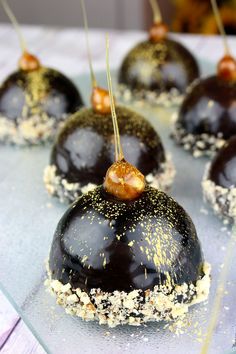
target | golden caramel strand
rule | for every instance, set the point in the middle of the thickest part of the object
(15, 24)
(220, 25)
(219, 292)
(85, 19)
(156, 11)
(123, 180)
(118, 149)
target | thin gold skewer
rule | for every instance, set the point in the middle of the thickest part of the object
(219, 292)
(118, 149)
(85, 19)
(15, 24)
(157, 17)
(220, 25)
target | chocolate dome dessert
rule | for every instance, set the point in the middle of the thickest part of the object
(219, 182)
(84, 147)
(158, 69)
(126, 253)
(207, 116)
(34, 100)
(128, 261)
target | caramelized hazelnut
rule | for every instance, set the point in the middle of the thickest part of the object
(158, 32)
(28, 62)
(124, 181)
(100, 100)
(227, 68)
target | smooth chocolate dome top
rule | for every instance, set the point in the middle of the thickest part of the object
(84, 148)
(223, 167)
(158, 66)
(42, 91)
(105, 243)
(210, 108)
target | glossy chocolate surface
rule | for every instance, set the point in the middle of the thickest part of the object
(158, 67)
(223, 167)
(101, 242)
(84, 148)
(210, 108)
(41, 91)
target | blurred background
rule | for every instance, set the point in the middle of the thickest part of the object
(194, 16)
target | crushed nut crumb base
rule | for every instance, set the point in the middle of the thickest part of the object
(164, 179)
(35, 130)
(222, 200)
(133, 308)
(137, 97)
(68, 192)
(199, 145)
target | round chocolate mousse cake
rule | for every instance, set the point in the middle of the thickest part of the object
(34, 100)
(84, 149)
(159, 69)
(127, 261)
(33, 105)
(158, 72)
(207, 116)
(219, 182)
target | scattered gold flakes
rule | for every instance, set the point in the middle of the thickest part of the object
(145, 273)
(33, 125)
(84, 259)
(38, 86)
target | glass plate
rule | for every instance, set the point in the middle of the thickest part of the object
(28, 218)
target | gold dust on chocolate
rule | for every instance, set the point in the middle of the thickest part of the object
(158, 66)
(84, 148)
(108, 244)
(42, 91)
(210, 108)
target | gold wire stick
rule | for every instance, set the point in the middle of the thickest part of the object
(118, 149)
(220, 25)
(15, 24)
(157, 18)
(219, 292)
(85, 19)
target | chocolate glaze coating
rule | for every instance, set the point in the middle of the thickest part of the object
(45, 90)
(102, 242)
(158, 67)
(223, 167)
(84, 148)
(210, 108)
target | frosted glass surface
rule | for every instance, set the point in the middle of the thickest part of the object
(28, 217)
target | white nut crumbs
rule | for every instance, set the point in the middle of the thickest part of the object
(68, 192)
(140, 98)
(35, 130)
(134, 308)
(222, 200)
(199, 145)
